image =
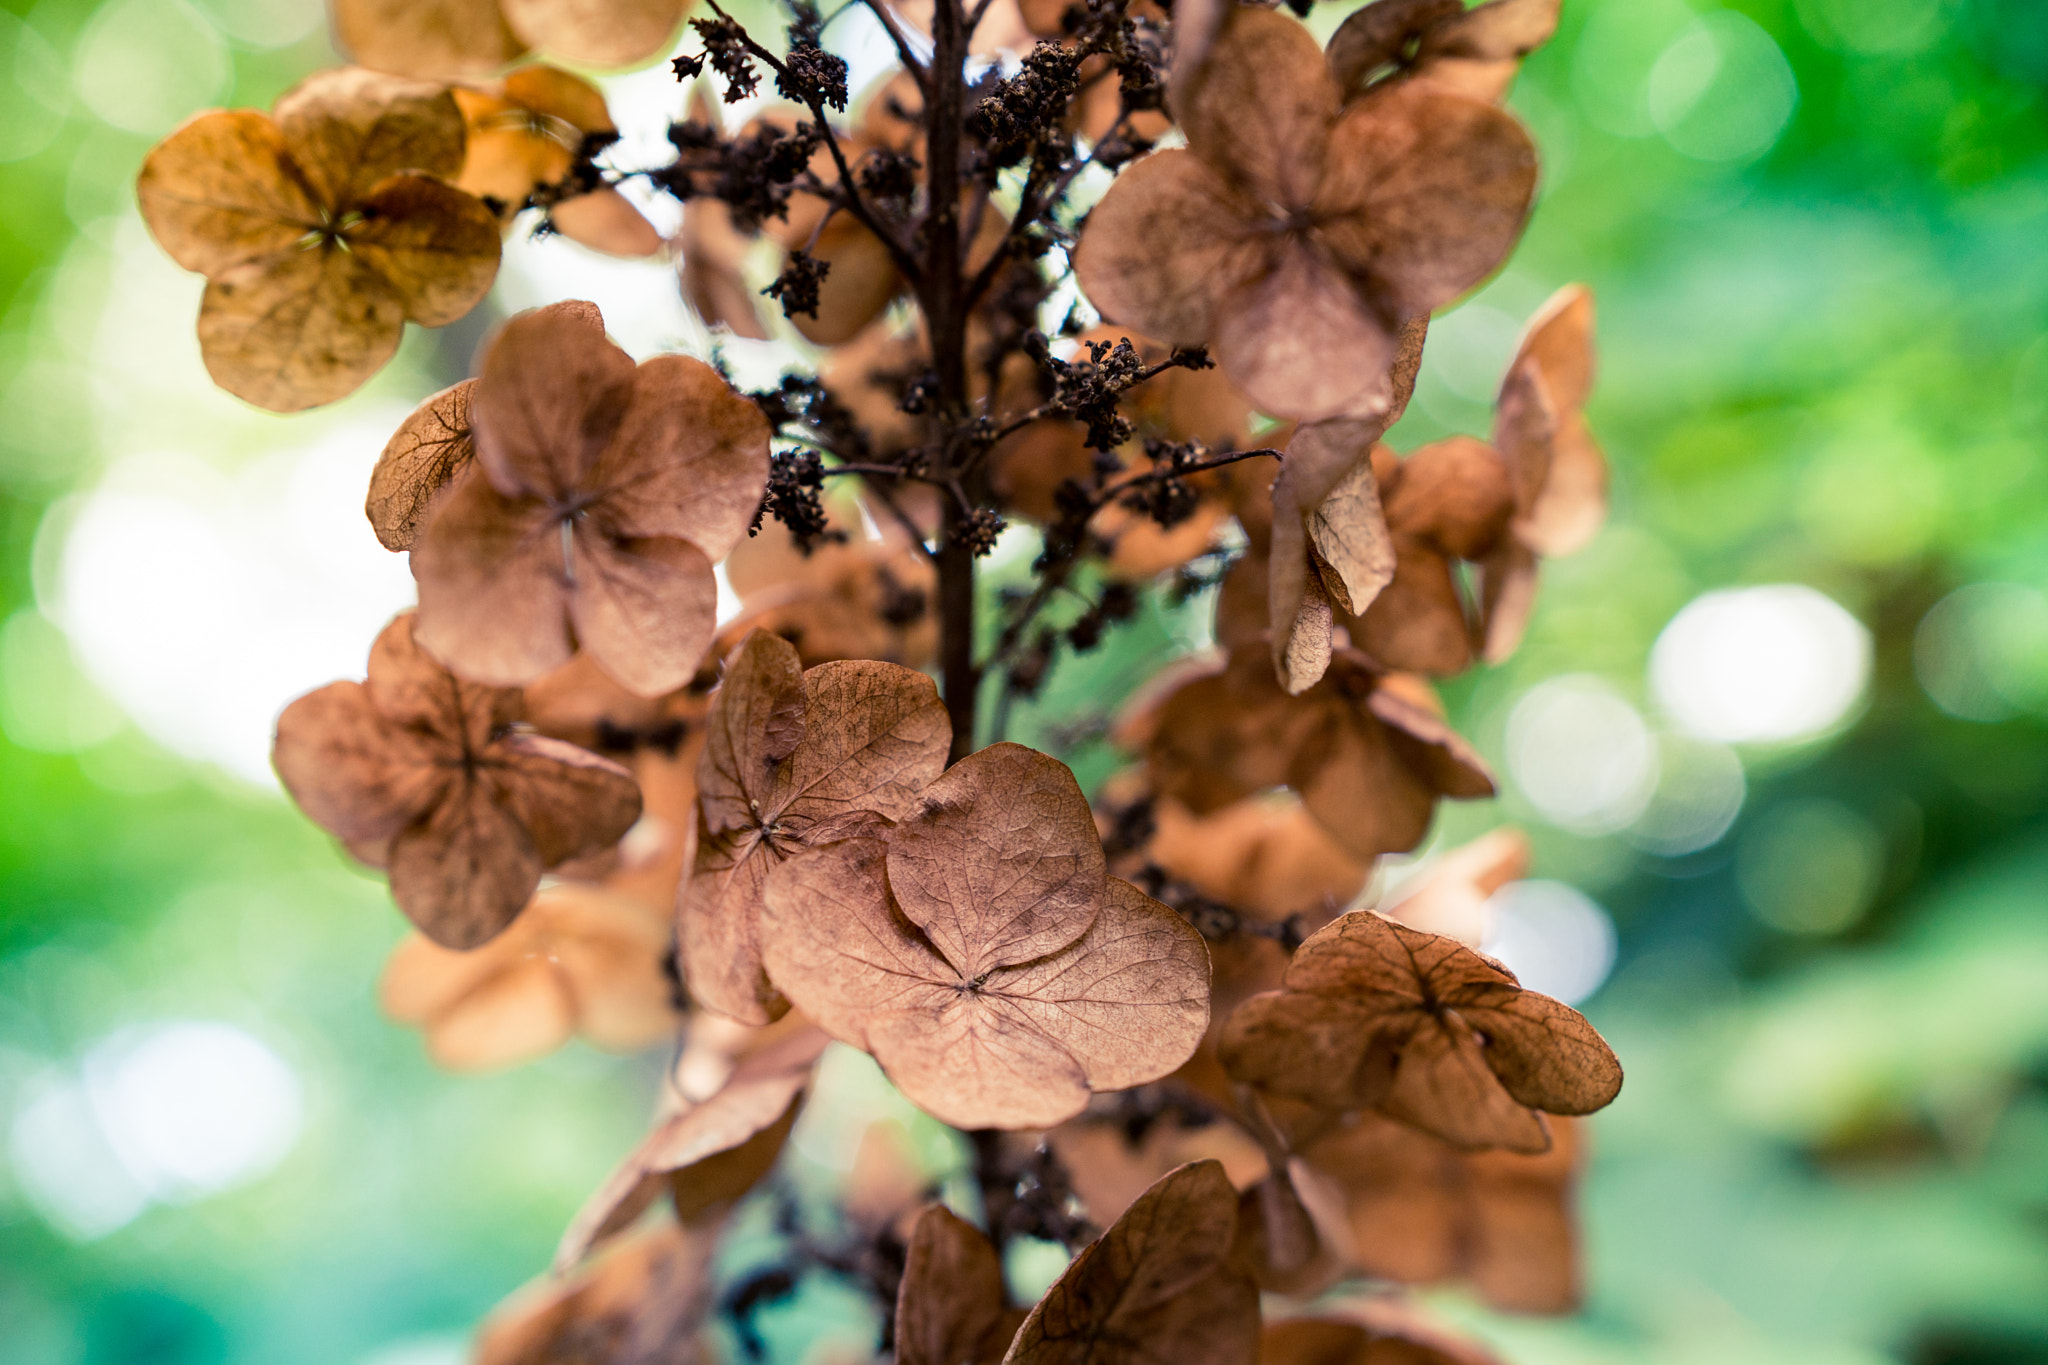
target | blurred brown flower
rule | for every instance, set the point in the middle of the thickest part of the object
(1293, 234)
(600, 495)
(1373, 1014)
(981, 954)
(321, 228)
(419, 772)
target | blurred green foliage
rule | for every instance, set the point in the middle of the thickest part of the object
(1816, 230)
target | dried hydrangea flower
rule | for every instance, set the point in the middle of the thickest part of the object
(526, 132)
(981, 954)
(578, 961)
(600, 495)
(419, 772)
(1373, 1014)
(457, 39)
(321, 228)
(1293, 234)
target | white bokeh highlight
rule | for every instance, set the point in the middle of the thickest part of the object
(1581, 755)
(1770, 664)
(1553, 937)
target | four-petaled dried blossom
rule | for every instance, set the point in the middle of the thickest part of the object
(1375, 1015)
(1368, 752)
(321, 228)
(577, 961)
(795, 759)
(453, 39)
(980, 952)
(1160, 1285)
(531, 132)
(420, 772)
(600, 495)
(1292, 235)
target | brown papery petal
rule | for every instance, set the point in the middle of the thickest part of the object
(1301, 613)
(596, 32)
(465, 872)
(1543, 1050)
(558, 94)
(1444, 1086)
(713, 253)
(298, 330)
(426, 38)
(1376, 36)
(695, 1149)
(519, 1015)
(646, 609)
(1004, 864)
(689, 458)
(436, 246)
(571, 801)
(1302, 341)
(1425, 193)
(861, 280)
(551, 393)
(756, 721)
(605, 220)
(1478, 52)
(1262, 115)
(1426, 742)
(1349, 536)
(1158, 1286)
(221, 191)
(349, 129)
(354, 774)
(410, 688)
(1166, 241)
(1559, 339)
(422, 457)
(647, 1302)
(1525, 431)
(493, 595)
(1508, 594)
(950, 1306)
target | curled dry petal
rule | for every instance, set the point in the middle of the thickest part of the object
(707, 1154)
(1474, 52)
(417, 769)
(793, 761)
(950, 1306)
(1158, 1286)
(980, 953)
(648, 1302)
(1373, 1014)
(601, 494)
(422, 457)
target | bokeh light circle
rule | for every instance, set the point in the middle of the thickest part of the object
(1760, 665)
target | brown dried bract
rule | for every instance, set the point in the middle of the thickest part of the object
(980, 952)
(707, 1154)
(1422, 1212)
(1374, 1014)
(951, 1308)
(1366, 750)
(648, 1302)
(454, 39)
(1475, 52)
(420, 773)
(321, 228)
(600, 496)
(423, 457)
(1557, 469)
(1292, 235)
(795, 760)
(578, 960)
(525, 134)
(1159, 1286)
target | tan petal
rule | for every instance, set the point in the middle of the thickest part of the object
(571, 801)
(551, 393)
(1445, 1087)
(1418, 621)
(710, 1152)
(493, 585)
(1166, 221)
(1508, 587)
(558, 94)
(1559, 339)
(1375, 37)
(1262, 116)
(355, 775)
(605, 220)
(1428, 745)
(1545, 1053)
(1573, 504)
(1004, 865)
(1301, 613)
(689, 458)
(422, 457)
(1456, 492)
(518, 1015)
(411, 689)
(349, 129)
(1477, 52)
(221, 191)
(718, 917)
(1363, 789)
(596, 32)
(1302, 341)
(426, 38)
(1425, 193)
(1157, 1286)
(756, 721)
(1349, 537)
(298, 330)
(436, 246)
(1525, 426)
(858, 287)
(950, 1305)
(646, 609)
(876, 737)
(714, 283)
(465, 872)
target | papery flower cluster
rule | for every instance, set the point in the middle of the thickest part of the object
(1177, 1034)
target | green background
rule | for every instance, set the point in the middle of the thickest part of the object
(1822, 265)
